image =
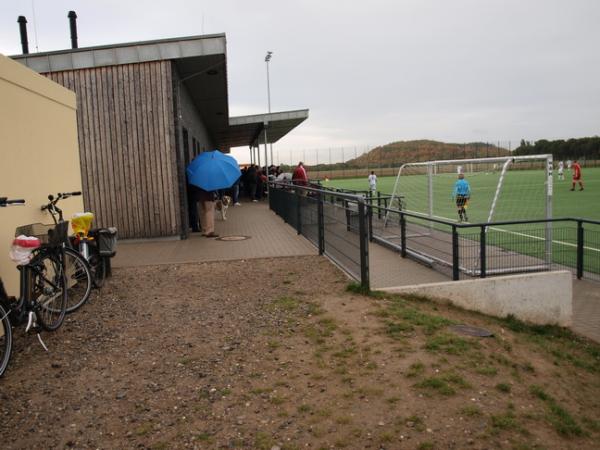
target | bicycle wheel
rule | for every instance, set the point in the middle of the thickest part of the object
(5, 339)
(79, 279)
(97, 266)
(49, 295)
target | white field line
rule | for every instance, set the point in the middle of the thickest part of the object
(568, 244)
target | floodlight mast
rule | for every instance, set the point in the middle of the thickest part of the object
(267, 60)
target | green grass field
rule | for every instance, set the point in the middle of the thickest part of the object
(522, 198)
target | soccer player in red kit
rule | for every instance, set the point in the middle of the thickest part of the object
(576, 168)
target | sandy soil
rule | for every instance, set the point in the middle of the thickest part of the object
(274, 353)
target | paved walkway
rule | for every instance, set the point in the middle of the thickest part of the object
(269, 236)
(388, 269)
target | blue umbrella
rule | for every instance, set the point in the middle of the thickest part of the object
(213, 170)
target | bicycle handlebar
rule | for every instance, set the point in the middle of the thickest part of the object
(69, 194)
(51, 205)
(4, 201)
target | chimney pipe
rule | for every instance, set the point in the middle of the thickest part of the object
(73, 24)
(23, 29)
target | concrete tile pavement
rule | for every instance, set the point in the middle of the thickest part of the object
(269, 236)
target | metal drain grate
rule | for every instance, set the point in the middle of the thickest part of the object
(233, 238)
(471, 331)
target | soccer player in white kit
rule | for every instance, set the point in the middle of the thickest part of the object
(561, 170)
(372, 182)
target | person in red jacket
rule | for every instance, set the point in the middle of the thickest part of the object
(576, 168)
(299, 176)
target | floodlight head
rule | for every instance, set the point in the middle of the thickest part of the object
(268, 57)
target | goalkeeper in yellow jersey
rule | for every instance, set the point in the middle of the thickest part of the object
(461, 194)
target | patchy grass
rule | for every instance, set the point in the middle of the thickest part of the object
(415, 422)
(357, 288)
(450, 344)
(444, 384)
(487, 370)
(558, 417)
(471, 411)
(263, 441)
(425, 446)
(561, 343)
(504, 421)
(397, 330)
(503, 387)
(304, 408)
(287, 303)
(415, 370)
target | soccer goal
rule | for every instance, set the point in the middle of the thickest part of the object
(515, 188)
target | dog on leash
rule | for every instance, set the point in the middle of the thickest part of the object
(222, 204)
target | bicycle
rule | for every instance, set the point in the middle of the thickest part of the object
(77, 267)
(43, 295)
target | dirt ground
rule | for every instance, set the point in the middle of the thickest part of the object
(277, 354)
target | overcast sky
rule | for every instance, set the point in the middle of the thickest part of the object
(372, 72)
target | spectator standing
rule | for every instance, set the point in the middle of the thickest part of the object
(193, 197)
(207, 213)
(260, 184)
(372, 181)
(576, 175)
(235, 192)
(251, 178)
(300, 177)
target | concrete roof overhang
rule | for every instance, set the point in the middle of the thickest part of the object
(250, 130)
(201, 66)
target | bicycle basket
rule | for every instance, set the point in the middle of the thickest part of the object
(107, 241)
(51, 235)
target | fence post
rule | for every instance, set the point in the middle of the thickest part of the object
(364, 246)
(321, 221)
(298, 211)
(455, 273)
(378, 205)
(370, 216)
(580, 249)
(402, 235)
(482, 255)
(346, 208)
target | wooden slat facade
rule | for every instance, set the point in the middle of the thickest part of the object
(125, 119)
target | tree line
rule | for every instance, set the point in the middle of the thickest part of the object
(581, 148)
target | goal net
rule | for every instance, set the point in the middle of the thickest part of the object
(502, 189)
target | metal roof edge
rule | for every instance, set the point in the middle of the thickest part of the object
(273, 116)
(120, 45)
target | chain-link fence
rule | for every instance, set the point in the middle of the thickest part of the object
(341, 224)
(334, 222)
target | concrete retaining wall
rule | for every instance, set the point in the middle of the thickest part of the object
(541, 298)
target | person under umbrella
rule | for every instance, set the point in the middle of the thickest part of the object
(211, 171)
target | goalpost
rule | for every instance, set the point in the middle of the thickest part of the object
(508, 188)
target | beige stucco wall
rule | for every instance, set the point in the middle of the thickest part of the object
(540, 298)
(39, 153)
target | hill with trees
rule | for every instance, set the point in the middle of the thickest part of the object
(400, 152)
(582, 148)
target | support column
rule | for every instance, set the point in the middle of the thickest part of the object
(266, 124)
